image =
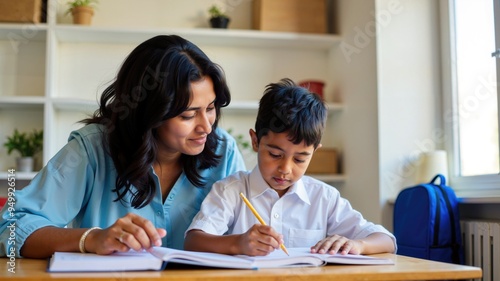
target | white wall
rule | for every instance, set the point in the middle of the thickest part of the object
(356, 79)
(409, 91)
(388, 76)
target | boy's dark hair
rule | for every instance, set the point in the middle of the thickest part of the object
(286, 107)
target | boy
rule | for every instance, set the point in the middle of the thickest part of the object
(307, 212)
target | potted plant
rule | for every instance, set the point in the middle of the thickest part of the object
(82, 11)
(245, 148)
(240, 140)
(218, 19)
(27, 144)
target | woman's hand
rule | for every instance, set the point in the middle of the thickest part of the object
(259, 240)
(129, 232)
(337, 244)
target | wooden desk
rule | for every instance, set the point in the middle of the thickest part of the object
(405, 268)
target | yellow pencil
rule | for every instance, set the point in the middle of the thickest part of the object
(259, 217)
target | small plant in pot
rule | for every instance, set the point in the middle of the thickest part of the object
(218, 19)
(243, 144)
(82, 11)
(27, 144)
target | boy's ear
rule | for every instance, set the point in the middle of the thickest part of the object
(255, 140)
(319, 146)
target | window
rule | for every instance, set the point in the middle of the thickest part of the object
(470, 75)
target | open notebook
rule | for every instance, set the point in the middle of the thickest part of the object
(158, 257)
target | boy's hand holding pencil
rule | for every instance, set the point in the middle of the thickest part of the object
(259, 218)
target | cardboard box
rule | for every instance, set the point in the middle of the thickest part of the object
(290, 15)
(20, 11)
(324, 161)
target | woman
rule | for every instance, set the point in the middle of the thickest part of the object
(135, 175)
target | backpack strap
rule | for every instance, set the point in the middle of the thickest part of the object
(437, 218)
(441, 178)
(455, 246)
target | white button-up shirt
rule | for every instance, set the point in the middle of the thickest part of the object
(310, 210)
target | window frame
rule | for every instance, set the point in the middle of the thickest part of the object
(465, 186)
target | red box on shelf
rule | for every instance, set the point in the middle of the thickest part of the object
(3, 200)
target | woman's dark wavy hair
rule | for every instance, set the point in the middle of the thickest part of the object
(286, 107)
(153, 85)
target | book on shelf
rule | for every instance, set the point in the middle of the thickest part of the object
(158, 257)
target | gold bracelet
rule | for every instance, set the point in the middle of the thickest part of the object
(84, 236)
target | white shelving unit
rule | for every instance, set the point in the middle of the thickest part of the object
(23, 176)
(52, 74)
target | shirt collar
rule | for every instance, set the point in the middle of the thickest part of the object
(258, 186)
(300, 190)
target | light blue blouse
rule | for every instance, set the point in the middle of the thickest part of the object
(74, 189)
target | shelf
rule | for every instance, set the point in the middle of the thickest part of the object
(217, 37)
(18, 175)
(251, 107)
(14, 102)
(238, 106)
(75, 104)
(334, 107)
(241, 106)
(23, 33)
(31, 175)
(328, 178)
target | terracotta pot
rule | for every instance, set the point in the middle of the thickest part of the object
(82, 15)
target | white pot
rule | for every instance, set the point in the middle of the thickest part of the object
(24, 164)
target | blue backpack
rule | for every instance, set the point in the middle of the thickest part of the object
(427, 222)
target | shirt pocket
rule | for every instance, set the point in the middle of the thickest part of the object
(304, 237)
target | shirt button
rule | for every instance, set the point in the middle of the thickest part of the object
(171, 197)
(158, 213)
(276, 215)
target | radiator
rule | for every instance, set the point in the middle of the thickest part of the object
(481, 240)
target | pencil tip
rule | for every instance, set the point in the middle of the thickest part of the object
(284, 249)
